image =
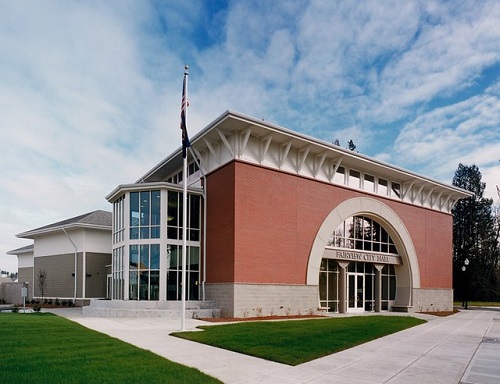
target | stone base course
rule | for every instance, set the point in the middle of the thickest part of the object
(432, 300)
(254, 300)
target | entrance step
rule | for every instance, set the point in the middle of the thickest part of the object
(166, 309)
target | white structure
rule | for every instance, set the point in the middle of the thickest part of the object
(80, 246)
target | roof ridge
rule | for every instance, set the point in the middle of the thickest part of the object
(97, 217)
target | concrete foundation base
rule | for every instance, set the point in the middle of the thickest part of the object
(254, 300)
(432, 300)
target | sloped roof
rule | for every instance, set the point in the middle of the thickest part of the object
(19, 251)
(96, 219)
(216, 137)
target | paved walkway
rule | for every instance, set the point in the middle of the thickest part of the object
(463, 348)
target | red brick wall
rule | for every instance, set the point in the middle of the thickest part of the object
(220, 225)
(261, 229)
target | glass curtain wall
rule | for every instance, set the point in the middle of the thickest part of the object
(174, 246)
(138, 248)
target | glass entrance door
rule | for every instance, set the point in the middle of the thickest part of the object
(356, 292)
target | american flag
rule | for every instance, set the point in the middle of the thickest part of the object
(184, 105)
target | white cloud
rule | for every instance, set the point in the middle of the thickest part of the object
(466, 132)
(452, 49)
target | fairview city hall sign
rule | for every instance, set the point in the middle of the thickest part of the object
(355, 255)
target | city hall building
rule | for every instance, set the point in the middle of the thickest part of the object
(280, 223)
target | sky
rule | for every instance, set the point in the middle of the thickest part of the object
(90, 90)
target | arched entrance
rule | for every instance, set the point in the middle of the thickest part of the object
(359, 271)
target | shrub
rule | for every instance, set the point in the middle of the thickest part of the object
(36, 307)
(14, 308)
(64, 303)
(49, 302)
(58, 302)
(70, 303)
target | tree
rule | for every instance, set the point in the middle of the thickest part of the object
(42, 282)
(474, 238)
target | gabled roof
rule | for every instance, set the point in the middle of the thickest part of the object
(96, 219)
(20, 251)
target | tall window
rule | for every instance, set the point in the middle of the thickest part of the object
(118, 220)
(174, 272)
(117, 274)
(144, 267)
(328, 285)
(145, 215)
(175, 220)
(388, 286)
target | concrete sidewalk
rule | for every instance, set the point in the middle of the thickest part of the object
(463, 348)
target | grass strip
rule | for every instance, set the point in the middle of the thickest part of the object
(299, 341)
(478, 303)
(44, 348)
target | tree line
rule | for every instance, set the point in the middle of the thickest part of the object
(476, 229)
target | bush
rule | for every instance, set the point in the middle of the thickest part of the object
(64, 303)
(14, 308)
(36, 307)
(70, 303)
(49, 302)
(58, 302)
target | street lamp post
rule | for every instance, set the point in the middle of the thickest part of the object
(465, 303)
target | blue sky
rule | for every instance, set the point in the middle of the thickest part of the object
(90, 90)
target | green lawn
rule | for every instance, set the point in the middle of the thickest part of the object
(44, 348)
(296, 342)
(478, 303)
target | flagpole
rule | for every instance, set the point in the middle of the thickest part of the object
(184, 207)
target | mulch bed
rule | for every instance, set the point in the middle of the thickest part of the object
(229, 319)
(232, 319)
(442, 313)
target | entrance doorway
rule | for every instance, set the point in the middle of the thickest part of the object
(355, 292)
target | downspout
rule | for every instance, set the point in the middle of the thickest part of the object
(33, 285)
(76, 262)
